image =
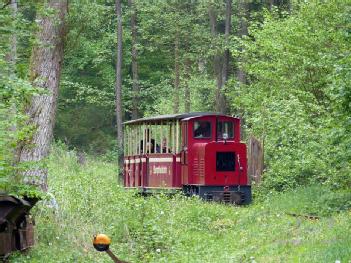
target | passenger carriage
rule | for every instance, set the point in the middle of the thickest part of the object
(197, 153)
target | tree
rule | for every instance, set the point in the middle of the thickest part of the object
(296, 85)
(86, 116)
(226, 56)
(217, 68)
(12, 55)
(220, 60)
(14, 90)
(242, 31)
(187, 75)
(135, 74)
(176, 72)
(45, 69)
(118, 88)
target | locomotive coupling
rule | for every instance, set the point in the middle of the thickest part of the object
(101, 243)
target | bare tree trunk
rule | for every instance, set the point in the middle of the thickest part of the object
(133, 25)
(45, 69)
(242, 31)
(177, 73)
(12, 55)
(271, 4)
(226, 55)
(228, 21)
(187, 96)
(217, 64)
(285, 4)
(118, 89)
(11, 58)
(290, 6)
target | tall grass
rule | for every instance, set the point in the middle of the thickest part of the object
(179, 229)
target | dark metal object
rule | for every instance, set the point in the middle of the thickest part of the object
(105, 248)
(16, 225)
(113, 257)
(101, 247)
(240, 194)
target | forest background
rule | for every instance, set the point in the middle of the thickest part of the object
(283, 66)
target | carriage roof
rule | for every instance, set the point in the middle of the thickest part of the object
(178, 116)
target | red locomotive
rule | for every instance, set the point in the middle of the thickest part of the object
(199, 153)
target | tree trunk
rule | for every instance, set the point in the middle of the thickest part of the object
(133, 25)
(187, 96)
(177, 73)
(285, 4)
(242, 31)
(118, 88)
(226, 57)
(12, 55)
(217, 64)
(271, 4)
(45, 69)
(11, 58)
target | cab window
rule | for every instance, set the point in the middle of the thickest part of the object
(202, 129)
(225, 130)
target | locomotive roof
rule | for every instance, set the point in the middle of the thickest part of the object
(178, 116)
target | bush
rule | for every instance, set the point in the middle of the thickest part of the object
(296, 97)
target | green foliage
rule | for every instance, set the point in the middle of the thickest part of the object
(297, 100)
(15, 93)
(297, 96)
(179, 229)
(89, 65)
(308, 201)
(26, 191)
(85, 116)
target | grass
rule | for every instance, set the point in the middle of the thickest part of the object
(179, 229)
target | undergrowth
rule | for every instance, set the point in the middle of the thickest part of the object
(179, 229)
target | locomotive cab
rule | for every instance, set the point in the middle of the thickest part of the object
(213, 160)
(197, 153)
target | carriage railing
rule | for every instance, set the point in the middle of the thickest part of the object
(152, 137)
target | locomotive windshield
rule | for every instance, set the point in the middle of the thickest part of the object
(202, 129)
(225, 130)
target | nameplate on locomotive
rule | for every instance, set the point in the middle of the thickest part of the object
(159, 170)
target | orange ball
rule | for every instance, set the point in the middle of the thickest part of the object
(101, 239)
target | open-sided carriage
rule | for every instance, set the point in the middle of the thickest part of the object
(197, 153)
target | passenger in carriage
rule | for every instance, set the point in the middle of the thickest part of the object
(149, 145)
(165, 149)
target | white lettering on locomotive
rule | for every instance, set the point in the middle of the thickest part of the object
(160, 170)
